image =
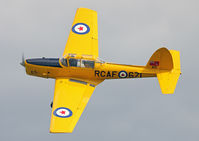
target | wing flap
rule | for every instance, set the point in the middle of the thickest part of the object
(70, 98)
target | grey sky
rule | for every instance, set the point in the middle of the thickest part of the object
(129, 32)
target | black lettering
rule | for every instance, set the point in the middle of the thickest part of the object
(140, 75)
(131, 75)
(136, 74)
(97, 73)
(108, 74)
(114, 73)
(102, 74)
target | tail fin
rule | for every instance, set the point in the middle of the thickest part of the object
(168, 64)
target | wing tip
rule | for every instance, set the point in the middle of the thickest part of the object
(86, 9)
(60, 131)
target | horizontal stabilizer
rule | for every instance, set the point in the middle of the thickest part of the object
(168, 81)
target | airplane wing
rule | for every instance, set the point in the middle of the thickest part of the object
(83, 37)
(70, 99)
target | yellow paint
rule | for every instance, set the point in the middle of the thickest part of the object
(169, 79)
(75, 85)
(86, 44)
(72, 95)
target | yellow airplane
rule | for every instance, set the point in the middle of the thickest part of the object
(79, 71)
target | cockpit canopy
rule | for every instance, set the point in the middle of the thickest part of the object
(73, 62)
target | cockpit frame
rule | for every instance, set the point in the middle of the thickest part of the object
(81, 61)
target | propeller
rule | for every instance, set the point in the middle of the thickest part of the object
(23, 61)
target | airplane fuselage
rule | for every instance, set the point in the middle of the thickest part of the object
(54, 68)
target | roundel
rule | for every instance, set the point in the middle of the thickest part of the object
(122, 74)
(63, 112)
(80, 28)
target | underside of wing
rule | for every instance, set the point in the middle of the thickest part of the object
(70, 98)
(83, 37)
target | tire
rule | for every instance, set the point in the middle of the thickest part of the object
(51, 104)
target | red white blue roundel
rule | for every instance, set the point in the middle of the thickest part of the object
(62, 112)
(80, 28)
(122, 74)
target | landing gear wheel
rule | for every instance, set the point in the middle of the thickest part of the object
(51, 104)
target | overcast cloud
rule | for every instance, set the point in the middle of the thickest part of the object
(129, 32)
